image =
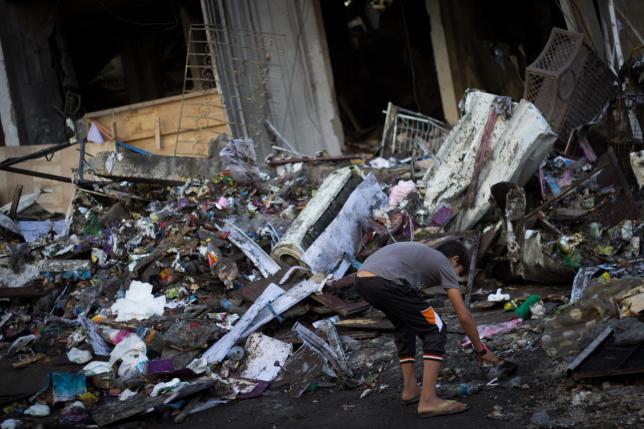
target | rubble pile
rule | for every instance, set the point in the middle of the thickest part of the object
(178, 296)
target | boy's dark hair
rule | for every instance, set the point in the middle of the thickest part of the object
(456, 248)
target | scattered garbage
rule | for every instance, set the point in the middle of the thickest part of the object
(182, 283)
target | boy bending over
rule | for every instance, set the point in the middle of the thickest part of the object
(390, 281)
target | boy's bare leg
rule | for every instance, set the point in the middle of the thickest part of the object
(410, 383)
(429, 400)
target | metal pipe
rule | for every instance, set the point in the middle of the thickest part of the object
(11, 161)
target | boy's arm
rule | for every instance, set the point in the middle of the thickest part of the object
(469, 325)
(342, 283)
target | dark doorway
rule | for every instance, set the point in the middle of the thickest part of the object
(380, 52)
(68, 57)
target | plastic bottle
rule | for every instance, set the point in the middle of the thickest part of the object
(461, 389)
(236, 353)
(213, 255)
(523, 311)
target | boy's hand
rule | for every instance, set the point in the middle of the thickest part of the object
(329, 286)
(490, 358)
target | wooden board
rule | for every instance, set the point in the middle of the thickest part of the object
(62, 163)
(154, 125)
(365, 324)
(339, 305)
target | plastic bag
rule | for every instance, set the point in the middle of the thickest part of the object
(239, 159)
(489, 331)
(400, 191)
(79, 356)
(131, 351)
(139, 303)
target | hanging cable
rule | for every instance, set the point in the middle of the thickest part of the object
(411, 61)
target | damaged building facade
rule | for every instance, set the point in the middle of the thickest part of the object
(183, 182)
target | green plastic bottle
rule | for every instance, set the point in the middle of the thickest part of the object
(523, 311)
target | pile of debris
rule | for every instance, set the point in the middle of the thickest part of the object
(152, 292)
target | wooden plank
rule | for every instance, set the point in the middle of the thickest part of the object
(61, 163)
(157, 132)
(174, 98)
(14, 202)
(569, 16)
(339, 305)
(138, 124)
(442, 60)
(154, 125)
(592, 27)
(366, 324)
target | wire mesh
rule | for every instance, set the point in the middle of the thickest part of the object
(407, 133)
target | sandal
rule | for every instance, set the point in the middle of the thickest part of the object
(411, 401)
(445, 408)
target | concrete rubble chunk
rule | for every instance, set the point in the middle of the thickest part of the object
(518, 145)
(154, 168)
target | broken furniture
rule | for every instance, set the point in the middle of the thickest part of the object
(568, 82)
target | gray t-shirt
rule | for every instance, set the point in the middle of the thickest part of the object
(414, 263)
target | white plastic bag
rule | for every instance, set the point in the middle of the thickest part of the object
(131, 351)
(96, 368)
(79, 356)
(38, 410)
(139, 303)
(499, 296)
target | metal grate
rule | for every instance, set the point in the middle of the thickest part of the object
(568, 82)
(407, 132)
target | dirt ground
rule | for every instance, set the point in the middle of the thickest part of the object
(539, 386)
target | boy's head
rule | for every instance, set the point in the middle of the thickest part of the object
(457, 254)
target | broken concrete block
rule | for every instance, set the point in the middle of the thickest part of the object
(165, 169)
(14, 280)
(518, 144)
